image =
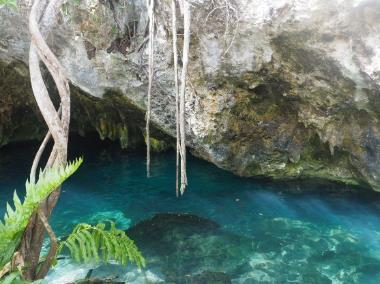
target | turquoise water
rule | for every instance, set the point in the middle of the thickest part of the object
(269, 232)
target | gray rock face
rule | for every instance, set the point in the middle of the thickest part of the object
(285, 89)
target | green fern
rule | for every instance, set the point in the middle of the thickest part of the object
(100, 244)
(10, 3)
(16, 219)
(16, 278)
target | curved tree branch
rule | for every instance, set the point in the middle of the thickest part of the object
(44, 102)
(53, 246)
(39, 153)
(45, 12)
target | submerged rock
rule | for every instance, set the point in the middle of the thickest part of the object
(69, 272)
(186, 248)
(207, 277)
(98, 281)
(182, 223)
(286, 89)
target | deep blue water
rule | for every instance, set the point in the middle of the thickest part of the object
(300, 232)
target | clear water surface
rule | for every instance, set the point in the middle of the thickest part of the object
(270, 232)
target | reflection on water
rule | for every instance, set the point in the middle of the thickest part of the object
(266, 234)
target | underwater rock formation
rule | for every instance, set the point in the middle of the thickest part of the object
(191, 249)
(282, 89)
(207, 277)
(185, 247)
(191, 245)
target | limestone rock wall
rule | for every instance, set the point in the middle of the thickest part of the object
(282, 89)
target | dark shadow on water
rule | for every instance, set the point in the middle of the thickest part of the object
(17, 158)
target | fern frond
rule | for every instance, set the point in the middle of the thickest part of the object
(16, 278)
(16, 218)
(10, 3)
(98, 244)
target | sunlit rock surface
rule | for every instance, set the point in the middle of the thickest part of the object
(285, 89)
(68, 271)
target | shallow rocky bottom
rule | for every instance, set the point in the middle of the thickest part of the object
(184, 248)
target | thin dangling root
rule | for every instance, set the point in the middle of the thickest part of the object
(179, 94)
(175, 58)
(185, 60)
(150, 4)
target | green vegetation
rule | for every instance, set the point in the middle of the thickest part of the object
(16, 278)
(10, 3)
(16, 220)
(98, 244)
(87, 243)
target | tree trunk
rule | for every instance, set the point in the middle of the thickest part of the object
(31, 243)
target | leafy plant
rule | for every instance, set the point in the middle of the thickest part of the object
(87, 243)
(16, 220)
(16, 278)
(10, 3)
(102, 243)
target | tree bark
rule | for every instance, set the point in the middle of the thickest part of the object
(53, 246)
(31, 244)
(39, 153)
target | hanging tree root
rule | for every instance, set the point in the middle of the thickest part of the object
(41, 18)
(231, 13)
(150, 4)
(185, 61)
(175, 59)
(180, 94)
(39, 153)
(53, 246)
